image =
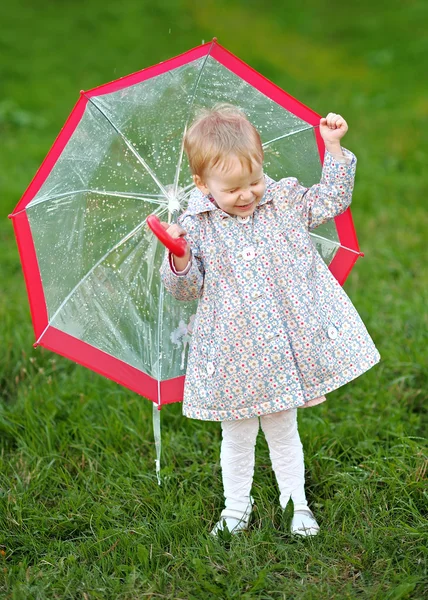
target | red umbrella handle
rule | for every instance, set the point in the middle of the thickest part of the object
(178, 246)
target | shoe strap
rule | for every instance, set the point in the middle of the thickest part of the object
(238, 514)
(302, 507)
(234, 514)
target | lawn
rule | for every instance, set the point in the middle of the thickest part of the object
(82, 515)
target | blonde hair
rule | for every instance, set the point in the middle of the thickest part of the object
(219, 133)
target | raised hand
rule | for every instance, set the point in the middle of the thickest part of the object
(332, 128)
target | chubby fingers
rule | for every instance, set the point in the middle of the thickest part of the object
(334, 121)
(173, 230)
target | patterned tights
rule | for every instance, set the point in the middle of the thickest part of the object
(286, 453)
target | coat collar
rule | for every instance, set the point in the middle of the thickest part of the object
(199, 203)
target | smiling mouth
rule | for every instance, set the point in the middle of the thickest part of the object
(242, 206)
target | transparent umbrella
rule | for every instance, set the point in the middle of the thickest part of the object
(91, 264)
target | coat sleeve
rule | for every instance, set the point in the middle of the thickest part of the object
(328, 198)
(188, 284)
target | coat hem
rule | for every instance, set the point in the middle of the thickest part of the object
(331, 384)
(237, 415)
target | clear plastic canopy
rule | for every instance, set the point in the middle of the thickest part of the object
(98, 261)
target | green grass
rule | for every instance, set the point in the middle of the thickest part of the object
(82, 515)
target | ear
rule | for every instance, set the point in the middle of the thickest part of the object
(201, 185)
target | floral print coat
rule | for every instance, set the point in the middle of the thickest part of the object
(274, 329)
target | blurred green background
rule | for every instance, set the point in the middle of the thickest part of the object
(82, 515)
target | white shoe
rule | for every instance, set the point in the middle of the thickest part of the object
(304, 522)
(233, 520)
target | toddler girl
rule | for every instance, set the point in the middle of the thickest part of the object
(274, 330)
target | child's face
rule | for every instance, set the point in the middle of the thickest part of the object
(236, 190)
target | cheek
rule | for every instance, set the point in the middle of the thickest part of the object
(223, 201)
(261, 190)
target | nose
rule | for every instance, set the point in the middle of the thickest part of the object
(246, 194)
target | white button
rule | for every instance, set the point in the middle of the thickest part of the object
(243, 219)
(332, 332)
(248, 253)
(210, 368)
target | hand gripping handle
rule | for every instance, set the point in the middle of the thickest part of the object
(178, 246)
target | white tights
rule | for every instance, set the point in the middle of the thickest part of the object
(286, 453)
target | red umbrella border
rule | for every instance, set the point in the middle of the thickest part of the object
(171, 390)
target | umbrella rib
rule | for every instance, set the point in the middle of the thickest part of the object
(189, 192)
(191, 185)
(281, 137)
(334, 243)
(195, 89)
(131, 147)
(153, 198)
(92, 269)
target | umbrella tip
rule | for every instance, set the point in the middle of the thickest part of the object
(35, 344)
(361, 254)
(82, 92)
(214, 40)
(10, 216)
